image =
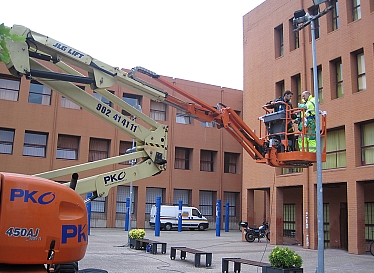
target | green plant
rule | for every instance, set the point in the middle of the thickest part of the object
(4, 37)
(137, 233)
(283, 257)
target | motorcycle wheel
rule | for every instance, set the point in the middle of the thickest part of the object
(268, 236)
(249, 237)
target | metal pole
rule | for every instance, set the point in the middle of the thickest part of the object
(321, 246)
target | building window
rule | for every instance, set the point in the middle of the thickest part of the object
(207, 160)
(181, 195)
(326, 225)
(133, 100)
(320, 84)
(158, 110)
(291, 170)
(9, 87)
(279, 41)
(66, 103)
(206, 203)
(99, 149)
(182, 158)
(103, 99)
(151, 196)
(337, 78)
(230, 197)
(356, 7)
(296, 87)
(289, 220)
(369, 221)
(361, 75)
(335, 15)
(123, 192)
(67, 147)
(39, 93)
(124, 146)
(98, 205)
(230, 162)
(335, 149)
(183, 117)
(279, 88)
(6, 141)
(35, 144)
(367, 143)
(208, 124)
(294, 36)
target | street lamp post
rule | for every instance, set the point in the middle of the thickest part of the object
(301, 20)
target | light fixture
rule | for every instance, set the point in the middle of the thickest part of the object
(299, 17)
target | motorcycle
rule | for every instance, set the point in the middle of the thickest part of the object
(252, 233)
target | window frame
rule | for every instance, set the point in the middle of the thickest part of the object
(100, 154)
(364, 147)
(340, 154)
(11, 92)
(356, 10)
(207, 160)
(33, 146)
(72, 149)
(157, 110)
(182, 163)
(41, 96)
(289, 220)
(230, 164)
(5, 140)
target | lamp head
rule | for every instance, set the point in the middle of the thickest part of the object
(299, 17)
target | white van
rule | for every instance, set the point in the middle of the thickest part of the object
(191, 218)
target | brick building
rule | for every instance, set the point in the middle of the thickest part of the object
(40, 130)
(277, 59)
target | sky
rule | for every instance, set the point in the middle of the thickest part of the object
(196, 40)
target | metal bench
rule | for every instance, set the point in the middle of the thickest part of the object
(196, 252)
(142, 244)
(237, 264)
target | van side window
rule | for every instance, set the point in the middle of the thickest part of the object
(194, 212)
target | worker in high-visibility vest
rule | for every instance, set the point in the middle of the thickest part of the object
(309, 121)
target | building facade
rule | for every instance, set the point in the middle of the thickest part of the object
(40, 130)
(277, 59)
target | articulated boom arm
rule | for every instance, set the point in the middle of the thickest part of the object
(151, 143)
(269, 150)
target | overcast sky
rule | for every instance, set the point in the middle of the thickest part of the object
(197, 40)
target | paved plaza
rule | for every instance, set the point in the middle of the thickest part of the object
(108, 250)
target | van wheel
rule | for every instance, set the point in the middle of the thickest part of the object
(168, 227)
(201, 227)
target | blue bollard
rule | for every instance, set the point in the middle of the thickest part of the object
(227, 222)
(218, 218)
(180, 216)
(158, 209)
(127, 219)
(88, 207)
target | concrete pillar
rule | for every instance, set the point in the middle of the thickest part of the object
(277, 216)
(356, 217)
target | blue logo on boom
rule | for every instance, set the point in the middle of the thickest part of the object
(32, 196)
(73, 231)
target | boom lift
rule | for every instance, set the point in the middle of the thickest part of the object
(45, 223)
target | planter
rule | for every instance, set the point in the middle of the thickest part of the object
(132, 243)
(270, 269)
